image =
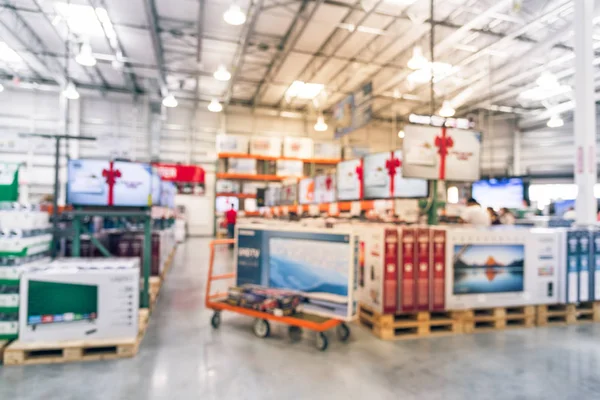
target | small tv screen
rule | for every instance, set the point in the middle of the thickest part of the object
(348, 180)
(58, 302)
(484, 268)
(498, 193)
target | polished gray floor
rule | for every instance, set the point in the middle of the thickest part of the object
(182, 357)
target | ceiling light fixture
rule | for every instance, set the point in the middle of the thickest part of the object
(418, 60)
(85, 56)
(70, 91)
(234, 15)
(423, 75)
(118, 63)
(320, 126)
(221, 74)
(304, 90)
(555, 121)
(547, 80)
(401, 133)
(215, 106)
(1, 88)
(447, 110)
(170, 101)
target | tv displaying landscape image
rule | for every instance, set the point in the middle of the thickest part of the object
(484, 268)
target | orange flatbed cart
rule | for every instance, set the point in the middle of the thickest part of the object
(261, 327)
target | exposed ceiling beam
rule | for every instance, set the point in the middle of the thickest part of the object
(238, 59)
(13, 28)
(199, 32)
(152, 19)
(317, 61)
(117, 47)
(287, 43)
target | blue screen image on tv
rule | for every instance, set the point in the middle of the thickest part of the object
(498, 193)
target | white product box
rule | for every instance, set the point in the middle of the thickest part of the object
(297, 147)
(265, 146)
(79, 300)
(232, 144)
(501, 268)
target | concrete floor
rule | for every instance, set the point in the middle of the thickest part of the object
(182, 357)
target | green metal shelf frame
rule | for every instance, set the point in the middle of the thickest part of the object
(144, 215)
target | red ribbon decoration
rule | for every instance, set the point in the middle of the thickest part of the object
(391, 165)
(111, 175)
(443, 143)
(328, 182)
(359, 174)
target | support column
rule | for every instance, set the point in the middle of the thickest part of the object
(585, 113)
(516, 170)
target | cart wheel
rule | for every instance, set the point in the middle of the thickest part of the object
(295, 333)
(215, 321)
(321, 341)
(261, 328)
(343, 332)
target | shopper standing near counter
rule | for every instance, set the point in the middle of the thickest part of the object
(230, 218)
(475, 215)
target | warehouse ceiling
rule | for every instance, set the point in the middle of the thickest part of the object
(488, 51)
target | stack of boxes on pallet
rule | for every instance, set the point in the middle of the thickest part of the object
(419, 281)
(76, 310)
(24, 241)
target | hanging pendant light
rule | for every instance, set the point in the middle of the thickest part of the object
(215, 106)
(234, 15)
(555, 121)
(221, 74)
(417, 61)
(170, 101)
(447, 110)
(320, 126)
(401, 133)
(85, 56)
(70, 91)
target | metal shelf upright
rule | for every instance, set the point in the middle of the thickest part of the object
(140, 214)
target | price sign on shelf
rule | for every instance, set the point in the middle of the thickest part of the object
(313, 209)
(299, 209)
(285, 210)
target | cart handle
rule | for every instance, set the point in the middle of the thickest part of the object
(208, 297)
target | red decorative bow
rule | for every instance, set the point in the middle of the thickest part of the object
(110, 175)
(359, 174)
(328, 182)
(443, 143)
(391, 165)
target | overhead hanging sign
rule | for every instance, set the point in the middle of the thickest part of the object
(180, 173)
(354, 112)
(441, 153)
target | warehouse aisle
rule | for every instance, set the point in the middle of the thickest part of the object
(182, 357)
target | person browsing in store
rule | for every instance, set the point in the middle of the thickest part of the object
(230, 218)
(475, 215)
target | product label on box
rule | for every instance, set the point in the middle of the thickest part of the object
(9, 328)
(423, 269)
(596, 265)
(407, 293)
(572, 281)
(249, 258)
(9, 300)
(438, 274)
(391, 271)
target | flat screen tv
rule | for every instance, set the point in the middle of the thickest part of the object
(348, 180)
(58, 302)
(488, 268)
(498, 193)
(102, 183)
(378, 182)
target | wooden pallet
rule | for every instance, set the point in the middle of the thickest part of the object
(496, 318)
(565, 314)
(3, 344)
(408, 325)
(21, 353)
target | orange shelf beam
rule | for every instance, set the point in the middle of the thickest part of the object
(238, 195)
(250, 177)
(329, 161)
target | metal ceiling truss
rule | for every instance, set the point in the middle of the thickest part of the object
(13, 26)
(287, 43)
(238, 59)
(117, 47)
(152, 19)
